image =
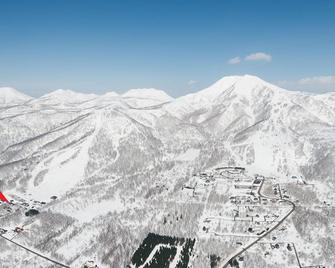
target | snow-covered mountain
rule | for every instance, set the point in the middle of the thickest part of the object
(148, 93)
(112, 159)
(64, 96)
(10, 96)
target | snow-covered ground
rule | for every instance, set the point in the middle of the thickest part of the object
(122, 165)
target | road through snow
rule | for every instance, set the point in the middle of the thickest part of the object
(230, 258)
(36, 253)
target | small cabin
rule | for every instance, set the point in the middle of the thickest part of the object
(90, 264)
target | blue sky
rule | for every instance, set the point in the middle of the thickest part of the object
(178, 46)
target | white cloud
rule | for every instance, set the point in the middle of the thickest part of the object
(314, 83)
(235, 60)
(317, 80)
(192, 82)
(258, 56)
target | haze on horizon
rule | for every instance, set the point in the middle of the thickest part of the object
(179, 47)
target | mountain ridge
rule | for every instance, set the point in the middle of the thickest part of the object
(240, 82)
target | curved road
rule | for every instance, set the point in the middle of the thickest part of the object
(36, 253)
(243, 249)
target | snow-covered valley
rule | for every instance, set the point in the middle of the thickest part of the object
(108, 170)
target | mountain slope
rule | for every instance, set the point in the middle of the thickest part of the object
(10, 96)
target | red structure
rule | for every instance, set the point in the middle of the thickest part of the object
(3, 198)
